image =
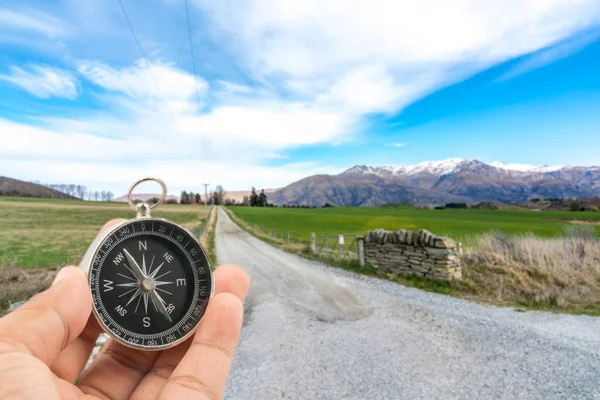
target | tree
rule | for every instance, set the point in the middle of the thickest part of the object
(262, 199)
(184, 199)
(103, 195)
(96, 195)
(253, 198)
(197, 197)
(81, 191)
(109, 196)
(220, 195)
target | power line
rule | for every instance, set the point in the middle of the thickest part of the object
(141, 50)
(187, 15)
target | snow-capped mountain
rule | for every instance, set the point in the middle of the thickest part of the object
(448, 166)
(435, 182)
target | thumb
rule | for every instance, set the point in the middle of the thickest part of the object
(49, 321)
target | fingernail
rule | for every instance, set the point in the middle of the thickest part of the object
(62, 274)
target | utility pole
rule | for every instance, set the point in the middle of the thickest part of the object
(206, 194)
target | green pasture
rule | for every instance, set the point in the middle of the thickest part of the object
(52, 233)
(458, 224)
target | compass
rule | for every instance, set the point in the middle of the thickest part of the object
(150, 279)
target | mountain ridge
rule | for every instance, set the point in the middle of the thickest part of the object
(438, 182)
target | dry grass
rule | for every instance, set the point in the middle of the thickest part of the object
(18, 284)
(559, 273)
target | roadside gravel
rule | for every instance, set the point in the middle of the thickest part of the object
(316, 332)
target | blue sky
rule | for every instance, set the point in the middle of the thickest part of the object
(285, 89)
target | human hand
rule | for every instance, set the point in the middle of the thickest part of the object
(45, 344)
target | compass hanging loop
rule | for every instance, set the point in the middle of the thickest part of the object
(143, 209)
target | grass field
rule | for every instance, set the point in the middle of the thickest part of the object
(52, 233)
(458, 224)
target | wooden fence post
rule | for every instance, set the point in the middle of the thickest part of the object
(287, 234)
(313, 244)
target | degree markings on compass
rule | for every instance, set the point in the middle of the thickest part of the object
(172, 230)
(186, 245)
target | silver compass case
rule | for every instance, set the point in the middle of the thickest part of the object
(150, 279)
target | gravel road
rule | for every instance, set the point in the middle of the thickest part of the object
(316, 332)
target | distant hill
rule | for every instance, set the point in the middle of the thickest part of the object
(440, 182)
(15, 187)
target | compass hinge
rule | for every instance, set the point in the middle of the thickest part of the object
(143, 210)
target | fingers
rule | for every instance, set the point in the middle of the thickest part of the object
(117, 371)
(203, 371)
(228, 279)
(73, 358)
(232, 279)
(51, 320)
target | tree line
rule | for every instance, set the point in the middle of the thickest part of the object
(80, 191)
(218, 197)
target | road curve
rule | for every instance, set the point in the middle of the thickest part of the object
(315, 332)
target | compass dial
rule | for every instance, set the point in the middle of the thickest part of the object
(150, 282)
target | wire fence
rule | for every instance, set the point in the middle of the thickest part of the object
(343, 246)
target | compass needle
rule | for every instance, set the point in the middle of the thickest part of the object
(133, 266)
(127, 277)
(128, 284)
(149, 278)
(160, 306)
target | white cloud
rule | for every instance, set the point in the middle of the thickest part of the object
(138, 81)
(317, 69)
(547, 56)
(391, 51)
(32, 21)
(397, 144)
(44, 81)
(231, 87)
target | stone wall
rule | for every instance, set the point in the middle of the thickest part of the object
(412, 252)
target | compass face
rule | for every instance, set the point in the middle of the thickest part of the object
(150, 282)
